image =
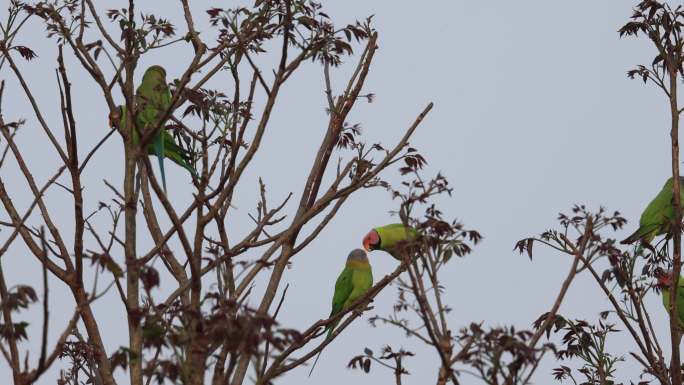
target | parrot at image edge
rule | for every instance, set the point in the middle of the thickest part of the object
(386, 238)
(352, 283)
(664, 283)
(153, 99)
(656, 218)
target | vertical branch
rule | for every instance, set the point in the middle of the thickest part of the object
(663, 26)
(398, 371)
(132, 271)
(73, 166)
(196, 355)
(432, 268)
(46, 313)
(131, 153)
(673, 66)
(103, 369)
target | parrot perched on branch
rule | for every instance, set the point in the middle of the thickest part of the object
(352, 283)
(153, 99)
(664, 283)
(388, 238)
(658, 216)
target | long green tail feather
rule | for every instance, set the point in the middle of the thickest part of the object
(330, 330)
(159, 151)
(315, 361)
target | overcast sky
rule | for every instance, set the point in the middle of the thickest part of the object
(533, 113)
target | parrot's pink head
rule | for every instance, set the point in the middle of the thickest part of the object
(664, 279)
(371, 241)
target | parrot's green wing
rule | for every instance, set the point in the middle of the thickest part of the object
(391, 235)
(680, 301)
(362, 280)
(343, 289)
(122, 123)
(656, 218)
(178, 155)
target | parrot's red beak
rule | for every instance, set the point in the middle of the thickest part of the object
(114, 117)
(664, 280)
(371, 240)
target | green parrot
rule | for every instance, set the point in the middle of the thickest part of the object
(656, 219)
(352, 283)
(153, 99)
(664, 283)
(388, 237)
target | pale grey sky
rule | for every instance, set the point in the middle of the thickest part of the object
(533, 113)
